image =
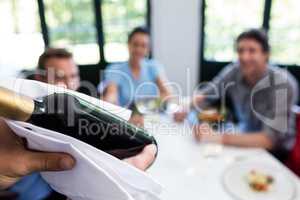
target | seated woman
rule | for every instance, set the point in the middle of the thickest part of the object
(136, 78)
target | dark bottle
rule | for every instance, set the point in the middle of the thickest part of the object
(7, 195)
(78, 118)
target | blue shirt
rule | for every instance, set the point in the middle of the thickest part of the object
(32, 187)
(129, 87)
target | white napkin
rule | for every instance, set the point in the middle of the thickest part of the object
(97, 175)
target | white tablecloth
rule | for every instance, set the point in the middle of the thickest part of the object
(193, 171)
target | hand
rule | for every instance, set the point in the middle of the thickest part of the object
(180, 116)
(204, 133)
(143, 160)
(17, 161)
(197, 100)
(137, 120)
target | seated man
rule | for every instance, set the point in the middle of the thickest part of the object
(55, 66)
(262, 97)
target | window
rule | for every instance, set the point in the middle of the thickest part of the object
(224, 21)
(94, 30)
(119, 17)
(74, 24)
(71, 25)
(285, 31)
(20, 35)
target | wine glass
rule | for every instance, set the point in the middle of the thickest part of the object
(149, 107)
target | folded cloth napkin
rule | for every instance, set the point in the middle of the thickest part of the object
(97, 175)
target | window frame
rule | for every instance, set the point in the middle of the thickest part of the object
(98, 25)
(207, 68)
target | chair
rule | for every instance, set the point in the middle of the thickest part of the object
(294, 158)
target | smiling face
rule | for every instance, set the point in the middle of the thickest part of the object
(253, 59)
(139, 46)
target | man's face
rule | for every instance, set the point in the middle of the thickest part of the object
(63, 72)
(139, 46)
(252, 58)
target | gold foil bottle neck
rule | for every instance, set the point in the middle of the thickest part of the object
(15, 106)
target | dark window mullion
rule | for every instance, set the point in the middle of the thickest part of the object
(149, 23)
(100, 29)
(267, 15)
(202, 39)
(44, 26)
(148, 15)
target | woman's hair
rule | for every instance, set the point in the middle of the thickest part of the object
(258, 35)
(139, 29)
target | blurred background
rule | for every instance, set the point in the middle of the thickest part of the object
(193, 39)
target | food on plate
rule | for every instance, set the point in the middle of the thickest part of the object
(259, 182)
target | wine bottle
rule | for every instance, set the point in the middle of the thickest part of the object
(7, 195)
(78, 118)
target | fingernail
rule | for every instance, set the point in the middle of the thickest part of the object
(67, 163)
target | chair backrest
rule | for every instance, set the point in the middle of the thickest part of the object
(27, 74)
(294, 159)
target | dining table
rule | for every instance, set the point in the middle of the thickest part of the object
(192, 170)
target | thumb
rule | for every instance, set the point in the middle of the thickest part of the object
(143, 160)
(39, 161)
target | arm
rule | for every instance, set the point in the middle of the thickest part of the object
(210, 91)
(111, 93)
(217, 88)
(258, 139)
(180, 115)
(112, 78)
(164, 91)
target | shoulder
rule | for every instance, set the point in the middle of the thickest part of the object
(232, 67)
(116, 72)
(282, 74)
(153, 64)
(229, 71)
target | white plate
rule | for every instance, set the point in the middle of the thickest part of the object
(235, 182)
